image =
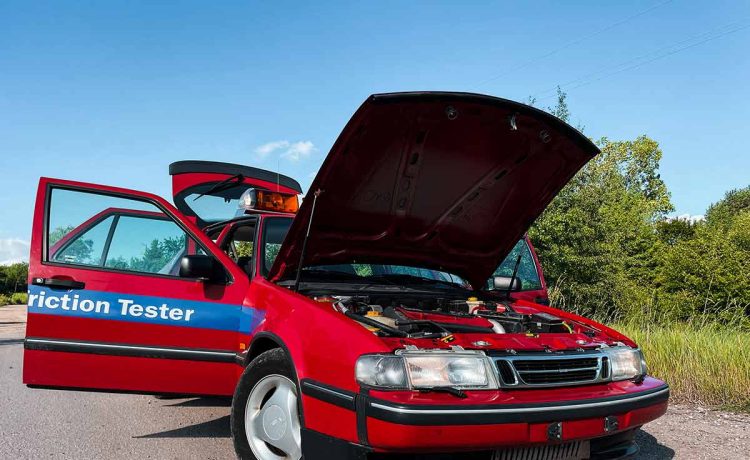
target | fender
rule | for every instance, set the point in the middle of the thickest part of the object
(286, 313)
(579, 319)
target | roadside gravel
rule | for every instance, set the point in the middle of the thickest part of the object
(694, 432)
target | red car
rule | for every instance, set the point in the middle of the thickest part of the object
(360, 325)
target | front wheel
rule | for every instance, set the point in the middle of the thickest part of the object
(265, 417)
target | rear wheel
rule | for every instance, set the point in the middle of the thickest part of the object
(265, 416)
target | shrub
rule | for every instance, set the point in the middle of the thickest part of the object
(4, 300)
(19, 298)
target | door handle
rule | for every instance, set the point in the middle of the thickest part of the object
(58, 283)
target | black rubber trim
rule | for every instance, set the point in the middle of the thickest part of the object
(329, 394)
(365, 406)
(216, 167)
(139, 351)
(360, 405)
(621, 451)
(514, 413)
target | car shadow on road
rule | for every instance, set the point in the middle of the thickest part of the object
(650, 448)
(203, 402)
(218, 428)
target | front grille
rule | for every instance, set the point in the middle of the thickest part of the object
(567, 451)
(551, 369)
(554, 364)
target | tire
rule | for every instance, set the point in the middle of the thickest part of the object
(267, 398)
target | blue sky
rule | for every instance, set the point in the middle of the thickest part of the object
(112, 92)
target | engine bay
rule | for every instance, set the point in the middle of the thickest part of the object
(432, 317)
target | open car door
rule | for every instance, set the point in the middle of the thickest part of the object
(108, 308)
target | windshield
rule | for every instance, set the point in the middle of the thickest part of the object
(276, 228)
(386, 273)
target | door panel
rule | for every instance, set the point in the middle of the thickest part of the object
(107, 308)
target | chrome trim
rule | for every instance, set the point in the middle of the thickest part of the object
(574, 406)
(599, 377)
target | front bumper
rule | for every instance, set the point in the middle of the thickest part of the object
(380, 425)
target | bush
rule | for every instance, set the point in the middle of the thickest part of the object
(19, 298)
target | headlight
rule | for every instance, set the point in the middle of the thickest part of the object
(625, 363)
(427, 369)
(382, 371)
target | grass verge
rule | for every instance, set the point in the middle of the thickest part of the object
(707, 365)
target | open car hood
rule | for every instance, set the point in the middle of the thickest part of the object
(448, 181)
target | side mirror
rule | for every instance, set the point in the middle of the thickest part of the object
(200, 267)
(502, 283)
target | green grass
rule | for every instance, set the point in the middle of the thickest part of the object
(706, 365)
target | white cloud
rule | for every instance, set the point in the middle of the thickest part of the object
(268, 148)
(292, 151)
(13, 250)
(299, 150)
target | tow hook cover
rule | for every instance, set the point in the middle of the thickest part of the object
(554, 431)
(611, 424)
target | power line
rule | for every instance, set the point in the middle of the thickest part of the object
(573, 42)
(635, 59)
(656, 58)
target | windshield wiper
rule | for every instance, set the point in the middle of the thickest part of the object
(332, 274)
(223, 185)
(411, 279)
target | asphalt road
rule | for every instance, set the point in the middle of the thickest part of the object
(65, 424)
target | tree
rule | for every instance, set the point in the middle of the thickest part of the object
(14, 277)
(672, 231)
(560, 110)
(597, 239)
(734, 202)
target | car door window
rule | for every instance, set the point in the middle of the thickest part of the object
(274, 232)
(240, 246)
(145, 244)
(527, 271)
(115, 233)
(84, 249)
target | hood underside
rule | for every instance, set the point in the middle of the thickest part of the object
(448, 181)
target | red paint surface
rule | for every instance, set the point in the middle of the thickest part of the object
(81, 370)
(394, 437)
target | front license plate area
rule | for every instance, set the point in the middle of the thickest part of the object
(566, 451)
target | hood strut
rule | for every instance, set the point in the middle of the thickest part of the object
(304, 242)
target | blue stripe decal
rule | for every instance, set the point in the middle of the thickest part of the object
(143, 309)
